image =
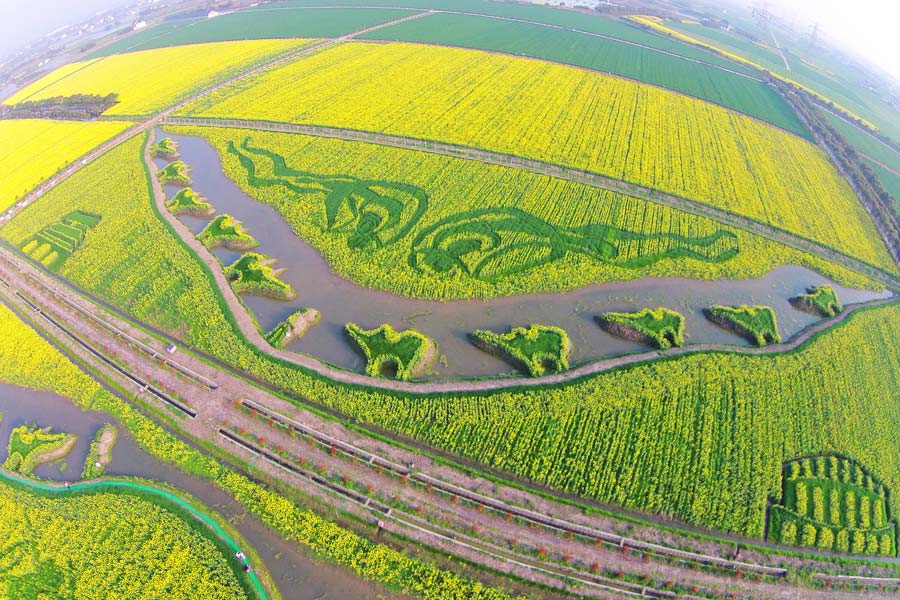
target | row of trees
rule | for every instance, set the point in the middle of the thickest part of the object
(865, 182)
(77, 106)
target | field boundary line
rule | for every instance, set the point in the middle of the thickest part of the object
(154, 120)
(590, 178)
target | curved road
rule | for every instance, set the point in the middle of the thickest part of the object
(62, 489)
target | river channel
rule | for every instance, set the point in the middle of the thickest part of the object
(297, 575)
(449, 323)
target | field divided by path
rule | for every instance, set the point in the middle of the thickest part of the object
(714, 84)
(567, 116)
(32, 150)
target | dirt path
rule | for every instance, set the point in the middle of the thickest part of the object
(105, 445)
(55, 453)
(214, 406)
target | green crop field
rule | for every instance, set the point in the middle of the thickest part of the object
(250, 25)
(864, 143)
(702, 81)
(889, 179)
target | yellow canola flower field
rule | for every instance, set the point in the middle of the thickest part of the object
(569, 116)
(33, 150)
(151, 80)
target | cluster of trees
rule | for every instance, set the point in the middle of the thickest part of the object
(74, 107)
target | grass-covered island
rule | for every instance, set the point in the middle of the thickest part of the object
(189, 202)
(660, 327)
(408, 352)
(165, 148)
(293, 328)
(227, 232)
(31, 446)
(253, 273)
(822, 301)
(756, 323)
(537, 350)
(176, 173)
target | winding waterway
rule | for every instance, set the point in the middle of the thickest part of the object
(297, 575)
(449, 323)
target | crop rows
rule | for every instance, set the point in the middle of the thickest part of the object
(57, 143)
(734, 91)
(147, 82)
(452, 228)
(568, 116)
(136, 549)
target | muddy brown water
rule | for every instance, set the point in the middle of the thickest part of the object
(340, 300)
(297, 575)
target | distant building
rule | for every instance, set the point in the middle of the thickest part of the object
(139, 25)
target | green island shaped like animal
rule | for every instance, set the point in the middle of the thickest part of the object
(292, 328)
(831, 502)
(537, 349)
(659, 327)
(252, 273)
(757, 323)
(227, 232)
(31, 446)
(165, 148)
(189, 202)
(822, 301)
(176, 173)
(410, 352)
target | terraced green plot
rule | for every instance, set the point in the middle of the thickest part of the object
(389, 353)
(756, 323)
(253, 274)
(57, 242)
(660, 327)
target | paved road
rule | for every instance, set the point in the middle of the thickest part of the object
(114, 485)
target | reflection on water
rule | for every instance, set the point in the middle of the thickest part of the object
(449, 323)
(297, 576)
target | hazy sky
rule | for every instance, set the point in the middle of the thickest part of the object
(872, 27)
(22, 21)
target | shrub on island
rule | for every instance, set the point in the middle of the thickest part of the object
(228, 232)
(659, 327)
(293, 328)
(822, 301)
(176, 173)
(537, 349)
(409, 352)
(189, 202)
(757, 323)
(252, 273)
